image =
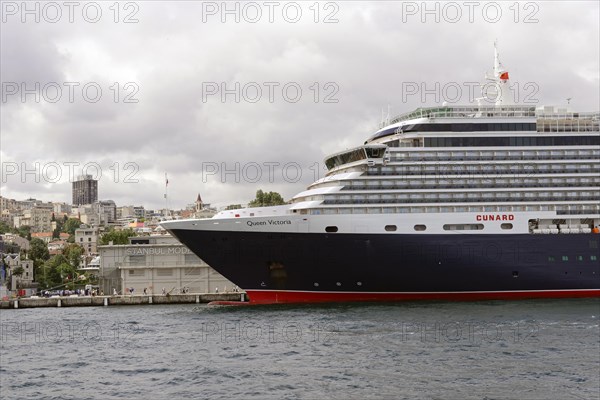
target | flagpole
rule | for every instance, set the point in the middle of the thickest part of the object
(166, 197)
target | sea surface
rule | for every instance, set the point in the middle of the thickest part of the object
(546, 349)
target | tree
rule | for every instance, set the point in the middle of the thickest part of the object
(233, 207)
(18, 272)
(24, 231)
(11, 248)
(70, 225)
(4, 227)
(38, 251)
(73, 253)
(60, 222)
(54, 271)
(266, 199)
(117, 237)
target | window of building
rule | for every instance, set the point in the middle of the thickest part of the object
(191, 258)
(164, 272)
(192, 271)
(137, 260)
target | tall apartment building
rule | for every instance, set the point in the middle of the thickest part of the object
(85, 190)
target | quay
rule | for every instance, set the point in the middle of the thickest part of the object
(104, 301)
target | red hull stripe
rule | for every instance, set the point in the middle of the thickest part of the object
(283, 296)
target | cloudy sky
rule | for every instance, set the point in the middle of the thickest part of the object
(227, 98)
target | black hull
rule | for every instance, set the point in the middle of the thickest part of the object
(394, 263)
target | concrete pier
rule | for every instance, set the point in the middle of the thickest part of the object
(100, 301)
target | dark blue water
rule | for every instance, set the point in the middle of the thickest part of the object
(487, 350)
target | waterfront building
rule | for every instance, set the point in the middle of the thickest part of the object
(156, 262)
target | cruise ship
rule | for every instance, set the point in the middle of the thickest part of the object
(474, 202)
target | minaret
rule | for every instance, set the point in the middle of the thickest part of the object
(198, 203)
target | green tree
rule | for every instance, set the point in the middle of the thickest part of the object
(70, 225)
(52, 273)
(73, 253)
(24, 231)
(11, 248)
(59, 227)
(117, 237)
(18, 271)
(233, 207)
(266, 199)
(38, 251)
(4, 227)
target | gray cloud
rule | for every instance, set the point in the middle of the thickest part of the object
(171, 55)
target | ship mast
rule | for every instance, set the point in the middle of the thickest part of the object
(499, 80)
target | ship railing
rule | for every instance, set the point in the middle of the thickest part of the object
(475, 111)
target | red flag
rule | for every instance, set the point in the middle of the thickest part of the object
(504, 76)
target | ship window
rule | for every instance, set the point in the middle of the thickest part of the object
(463, 227)
(551, 258)
(565, 258)
(593, 258)
(506, 226)
(579, 258)
(331, 229)
(390, 228)
(420, 227)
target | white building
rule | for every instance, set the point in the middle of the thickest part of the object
(87, 238)
(154, 263)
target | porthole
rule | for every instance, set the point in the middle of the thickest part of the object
(391, 228)
(331, 229)
(506, 226)
(420, 227)
(358, 283)
(316, 284)
(338, 283)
